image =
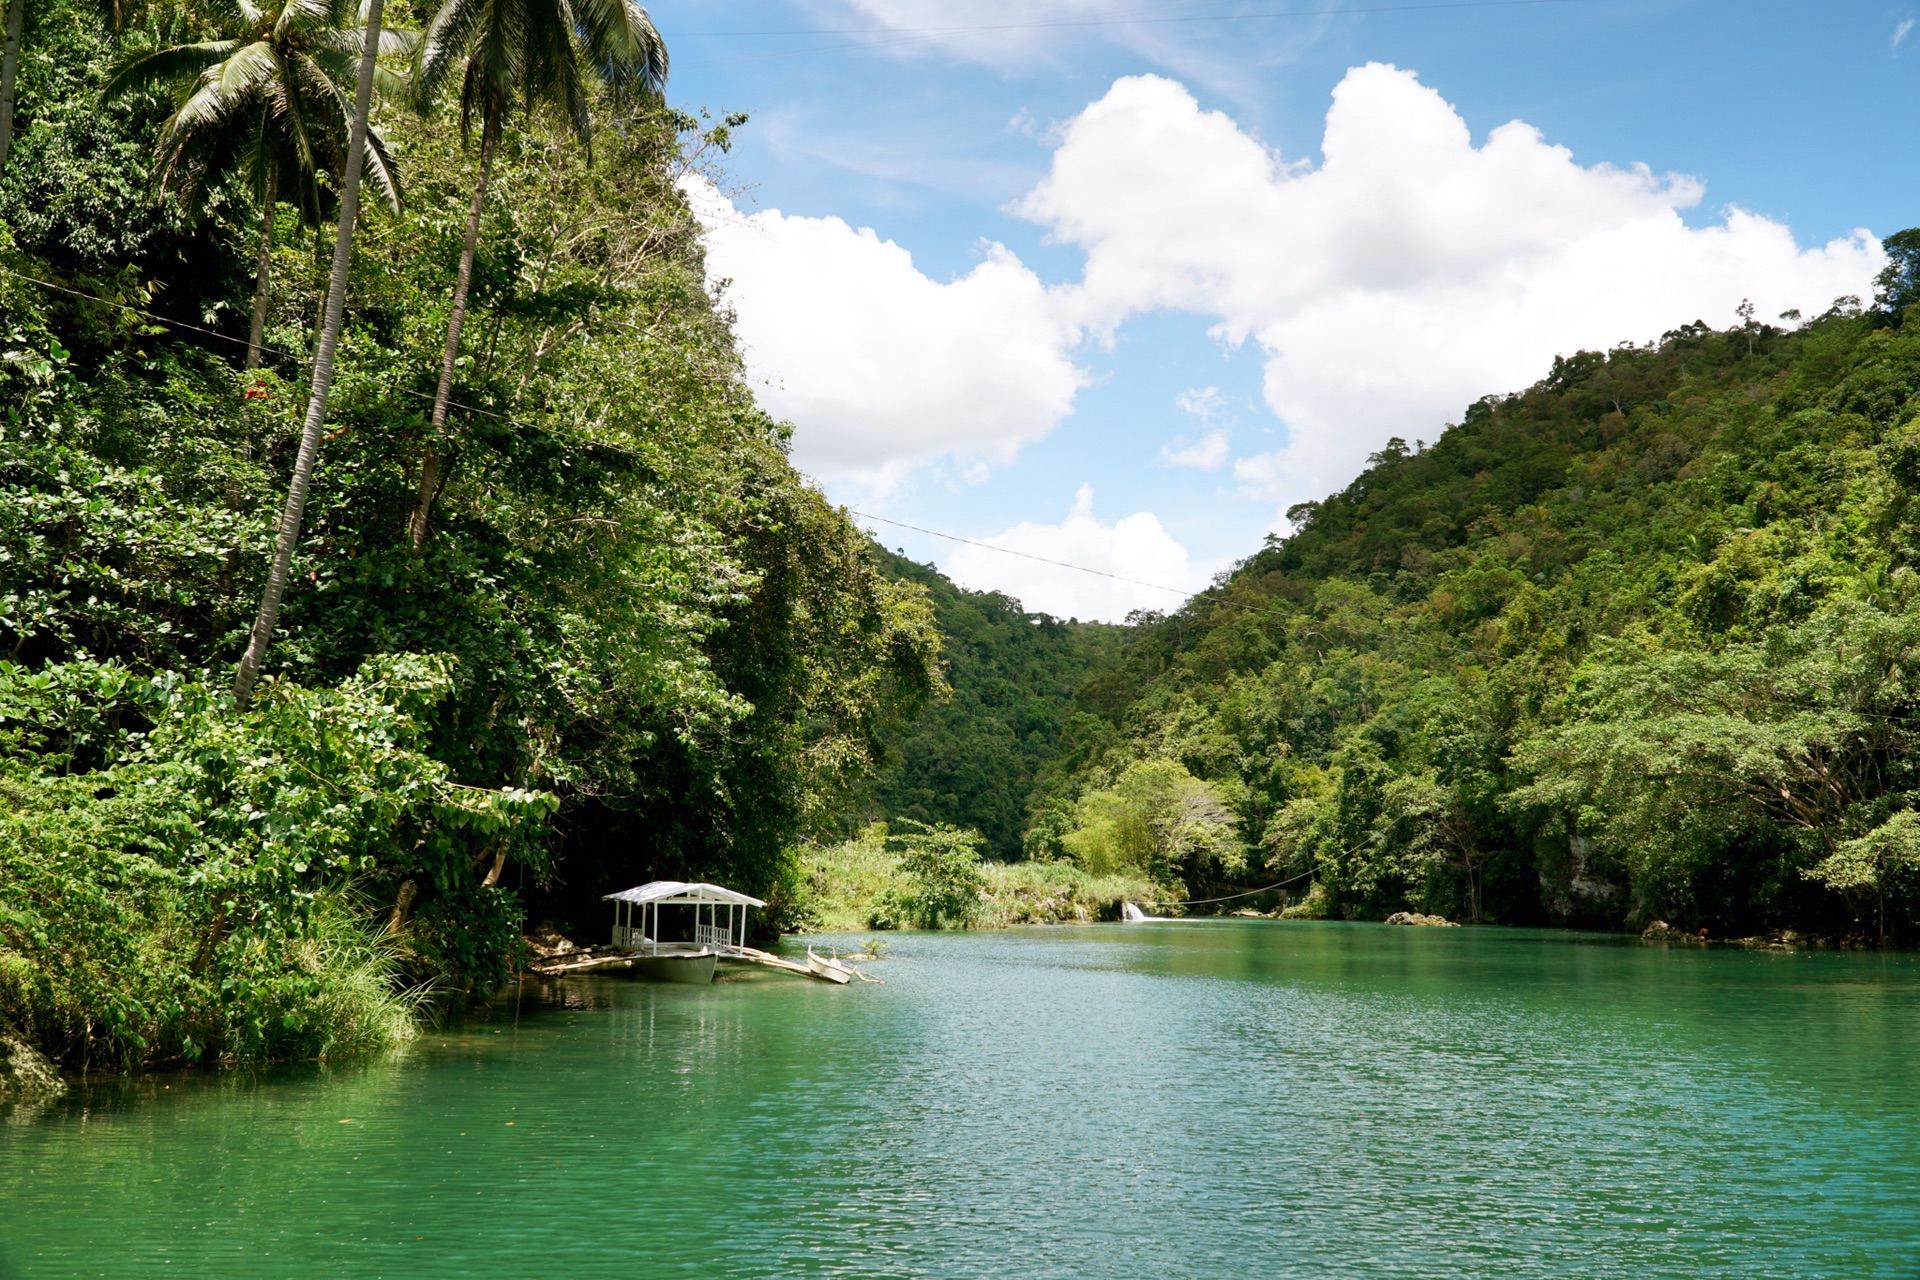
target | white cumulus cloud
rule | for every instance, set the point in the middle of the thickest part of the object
(1405, 272)
(1135, 547)
(1203, 405)
(878, 366)
(1263, 475)
(1410, 271)
(1205, 454)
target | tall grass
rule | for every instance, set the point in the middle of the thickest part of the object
(860, 884)
(362, 1008)
(1058, 892)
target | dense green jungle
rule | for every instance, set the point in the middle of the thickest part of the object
(972, 759)
(633, 641)
(1641, 642)
(1635, 644)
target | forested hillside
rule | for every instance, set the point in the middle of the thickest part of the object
(1641, 641)
(591, 630)
(972, 758)
(558, 615)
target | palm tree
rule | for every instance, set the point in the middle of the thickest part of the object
(9, 69)
(267, 99)
(529, 53)
(295, 510)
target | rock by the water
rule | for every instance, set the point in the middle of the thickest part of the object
(1415, 918)
(25, 1071)
(1661, 931)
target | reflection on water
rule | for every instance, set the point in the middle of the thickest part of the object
(1233, 1098)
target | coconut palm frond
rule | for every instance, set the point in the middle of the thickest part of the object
(552, 69)
(380, 171)
(387, 83)
(329, 74)
(448, 41)
(626, 48)
(207, 107)
(378, 167)
(165, 68)
(306, 17)
(261, 158)
(247, 72)
(192, 157)
(306, 127)
(351, 40)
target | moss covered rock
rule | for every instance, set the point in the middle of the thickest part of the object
(25, 1071)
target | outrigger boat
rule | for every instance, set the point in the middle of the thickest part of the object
(832, 968)
(719, 932)
(716, 933)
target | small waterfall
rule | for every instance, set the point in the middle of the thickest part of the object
(1131, 914)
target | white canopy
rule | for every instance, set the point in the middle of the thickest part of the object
(672, 891)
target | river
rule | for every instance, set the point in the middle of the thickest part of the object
(1217, 1099)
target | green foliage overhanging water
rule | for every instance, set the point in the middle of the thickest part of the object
(1636, 643)
(633, 643)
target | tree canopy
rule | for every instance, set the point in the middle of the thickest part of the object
(638, 645)
(1633, 643)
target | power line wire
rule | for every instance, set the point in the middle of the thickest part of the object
(1268, 888)
(1193, 597)
(265, 350)
(296, 360)
(1024, 555)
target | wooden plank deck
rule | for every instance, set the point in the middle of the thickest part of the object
(624, 960)
(771, 961)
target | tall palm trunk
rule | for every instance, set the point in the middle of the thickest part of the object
(9, 69)
(262, 273)
(437, 434)
(295, 509)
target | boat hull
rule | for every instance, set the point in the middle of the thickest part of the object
(831, 970)
(694, 970)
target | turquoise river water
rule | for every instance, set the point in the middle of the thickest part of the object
(1217, 1099)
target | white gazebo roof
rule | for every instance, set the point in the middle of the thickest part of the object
(672, 891)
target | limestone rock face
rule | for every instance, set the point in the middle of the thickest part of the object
(1415, 918)
(24, 1072)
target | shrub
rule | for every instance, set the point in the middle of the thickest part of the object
(207, 884)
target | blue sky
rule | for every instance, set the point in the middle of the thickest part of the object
(1186, 269)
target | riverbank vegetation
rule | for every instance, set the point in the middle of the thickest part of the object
(909, 875)
(539, 608)
(626, 640)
